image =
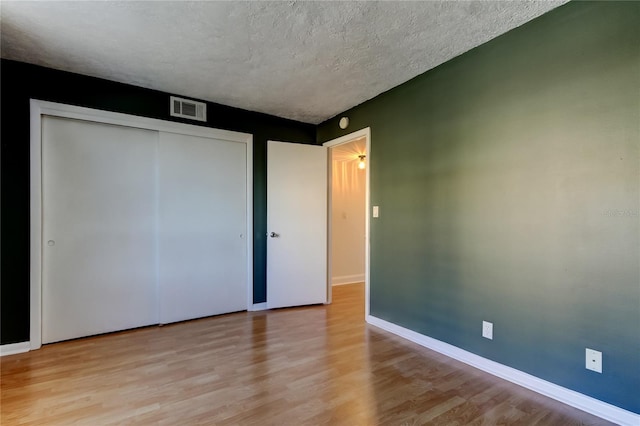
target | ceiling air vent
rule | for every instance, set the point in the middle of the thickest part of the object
(186, 108)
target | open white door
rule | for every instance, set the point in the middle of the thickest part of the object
(296, 224)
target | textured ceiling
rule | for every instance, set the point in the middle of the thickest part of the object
(306, 61)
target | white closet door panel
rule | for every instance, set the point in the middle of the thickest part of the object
(202, 226)
(98, 228)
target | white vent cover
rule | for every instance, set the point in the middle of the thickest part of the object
(186, 108)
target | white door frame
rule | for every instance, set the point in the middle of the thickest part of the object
(40, 108)
(366, 134)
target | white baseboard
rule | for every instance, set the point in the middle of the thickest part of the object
(575, 399)
(258, 307)
(347, 279)
(15, 348)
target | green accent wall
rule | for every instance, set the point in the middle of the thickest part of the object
(508, 181)
(20, 82)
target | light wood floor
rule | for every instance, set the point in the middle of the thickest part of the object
(303, 366)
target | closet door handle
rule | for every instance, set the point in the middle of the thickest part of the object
(274, 235)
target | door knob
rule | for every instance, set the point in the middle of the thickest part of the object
(274, 235)
(51, 243)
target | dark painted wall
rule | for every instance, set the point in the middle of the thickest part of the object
(508, 186)
(20, 82)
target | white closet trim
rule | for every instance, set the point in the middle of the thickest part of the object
(40, 108)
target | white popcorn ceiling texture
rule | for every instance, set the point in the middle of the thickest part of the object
(304, 60)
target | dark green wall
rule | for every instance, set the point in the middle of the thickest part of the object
(20, 82)
(508, 186)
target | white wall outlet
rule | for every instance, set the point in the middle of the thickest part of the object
(487, 330)
(376, 211)
(593, 360)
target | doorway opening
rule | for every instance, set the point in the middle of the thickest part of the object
(348, 219)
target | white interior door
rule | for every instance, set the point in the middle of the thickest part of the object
(202, 227)
(98, 234)
(296, 224)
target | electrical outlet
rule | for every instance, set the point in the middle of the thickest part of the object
(593, 360)
(487, 330)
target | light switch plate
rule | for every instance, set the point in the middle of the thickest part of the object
(376, 211)
(593, 360)
(487, 330)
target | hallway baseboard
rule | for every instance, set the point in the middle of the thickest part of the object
(347, 279)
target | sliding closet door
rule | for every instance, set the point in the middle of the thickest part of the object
(98, 243)
(202, 226)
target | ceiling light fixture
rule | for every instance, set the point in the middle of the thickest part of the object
(361, 163)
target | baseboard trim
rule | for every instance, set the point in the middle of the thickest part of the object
(347, 279)
(258, 307)
(575, 399)
(15, 348)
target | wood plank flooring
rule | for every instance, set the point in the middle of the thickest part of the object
(317, 365)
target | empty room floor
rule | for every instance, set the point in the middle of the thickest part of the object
(301, 366)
